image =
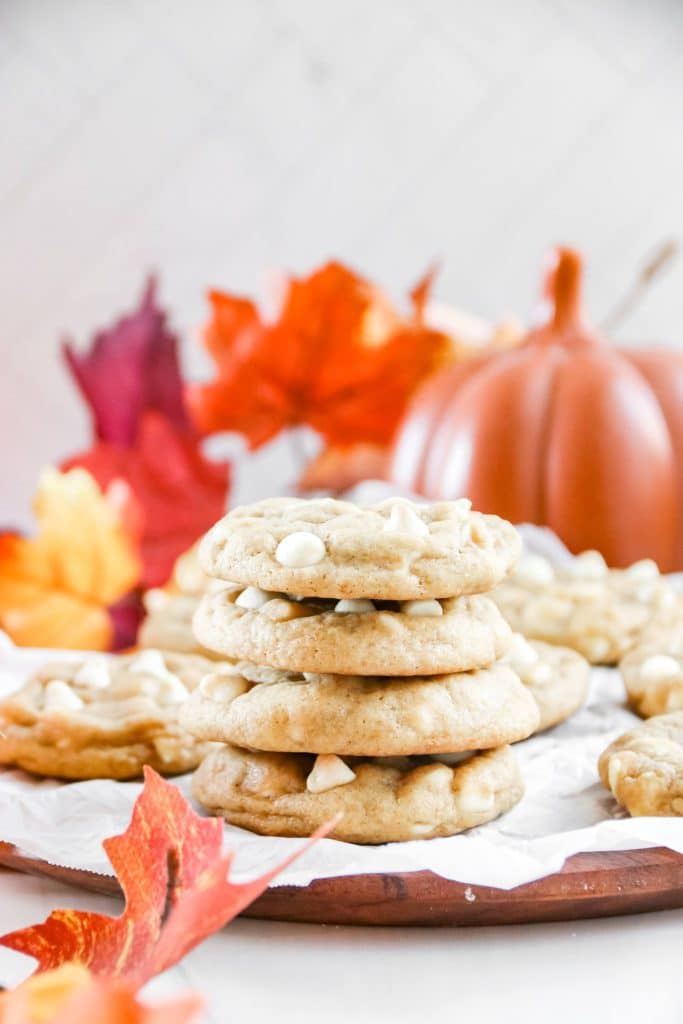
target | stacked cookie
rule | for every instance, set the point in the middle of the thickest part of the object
(370, 677)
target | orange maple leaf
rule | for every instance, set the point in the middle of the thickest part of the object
(56, 587)
(70, 994)
(339, 358)
(175, 881)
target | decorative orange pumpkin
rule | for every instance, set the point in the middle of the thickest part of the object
(563, 431)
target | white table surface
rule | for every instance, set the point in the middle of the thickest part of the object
(619, 969)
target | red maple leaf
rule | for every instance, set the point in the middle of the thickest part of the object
(131, 380)
(174, 877)
(339, 358)
(181, 492)
(130, 367)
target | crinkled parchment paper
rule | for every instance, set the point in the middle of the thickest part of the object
(565, 809)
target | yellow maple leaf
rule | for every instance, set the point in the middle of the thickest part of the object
(55, 588)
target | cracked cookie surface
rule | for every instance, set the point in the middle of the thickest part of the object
(364, 716)
(268, 793)
(309, 635)
(396, 550)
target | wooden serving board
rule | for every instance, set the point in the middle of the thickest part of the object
(589, 885)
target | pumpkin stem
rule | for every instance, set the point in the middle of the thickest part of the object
(563, 288)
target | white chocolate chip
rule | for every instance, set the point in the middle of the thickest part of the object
(403, 519)
(658, 667)
(155, 599)
(540, 674)
(164, 691)
(646, 592)
(166, 747)
(473, 531)
(534, 570)
(520, 654)
(173, 691)
(357, 605)
(300, 549)
(254, 597)
(150, 662)
(596, 648)
(646, 569)
(615, 770)
(221, 688)
(421, 830)
(94, 673)
(472, 799)
(673, 699)
(328, 772)
(164, 685)
(589, 565)
(428, 607)
(58, 696)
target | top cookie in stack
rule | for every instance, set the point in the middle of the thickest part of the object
(371, 678)
(327, 586)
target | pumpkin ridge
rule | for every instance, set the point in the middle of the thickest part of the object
(543, 450)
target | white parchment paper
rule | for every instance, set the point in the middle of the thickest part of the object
(565, 809)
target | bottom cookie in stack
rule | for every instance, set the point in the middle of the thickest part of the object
(400, 758)
(381, 800)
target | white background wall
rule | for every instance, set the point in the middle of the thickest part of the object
(217, 139)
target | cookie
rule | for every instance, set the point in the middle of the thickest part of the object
(556, 677)
(353, 637)
(168, 624)
(364, 716)
(104, 717)
(292, 794)
(394, 551)
(653, 675)
(644, 767)
(599, 612)
(188, 577)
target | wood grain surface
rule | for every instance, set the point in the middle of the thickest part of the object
(589, 885)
